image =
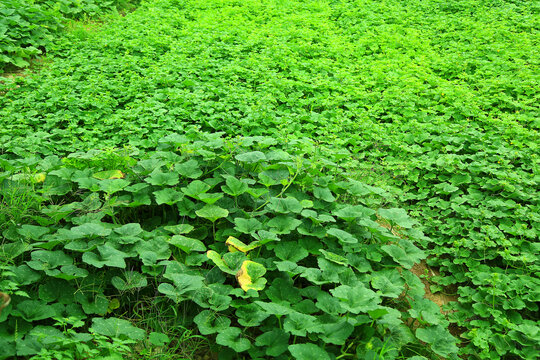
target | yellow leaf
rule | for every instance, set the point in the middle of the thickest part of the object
(236, 245)
(250, 276)
(109, 174)
(40, 177)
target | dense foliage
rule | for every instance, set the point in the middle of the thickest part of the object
(28, 27)
(257, 247)
(435, 101)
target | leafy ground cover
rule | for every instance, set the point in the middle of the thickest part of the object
(434, 101)
(28, 27)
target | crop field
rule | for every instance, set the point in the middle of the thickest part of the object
(269, 179)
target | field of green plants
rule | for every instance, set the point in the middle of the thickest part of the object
(257, 179)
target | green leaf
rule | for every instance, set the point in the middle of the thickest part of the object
(131, 280)
(290, 251)
(336, 333)
(274, 309)
(186, 282)
(90, 230)
(335, 258)
(210, 198)
(459, 179)
(283, 291)
(274, 342)
(352, 212)
(184, 285)
(398, 217)
(132, 229)
(388, 282)
(356, 299)
(250, 315)
(216, 259)
(232, 337)
(208, 297)
(45, 260)
(159, 178)
(323, 194)
(209, 322)
(298, 324)
(425, 310)
(112, 186)
(442, 343)
(283, 224)
(108, 256)
(285, 205)
(117, 328)
(234, 187)
(257, 192)
(264, 237)
(342, 236)
(56, 289)
(168, 196)
(251, 157)
(158, 339)
(212, 212)
(33, 310)
(187, 244)
(445, 188)
(247, 226)
(179, 229)
(92, 303)
(329, 304)
(308, 352)
(405, 257)
(32, 232)
(189, 169)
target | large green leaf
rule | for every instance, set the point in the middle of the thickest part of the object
(357, 299)
(342, 236)
(275, 342)
(189, 169)
(388, 282)
(308, 352)
(209, 322)
(406, 254)
(234, 186)
(212, 212)
(290, 251)
(159, 178)
(168, 196)
(187, 244)
(117, 328)
(442, 343)
(336, 333)
(232, 337)
(352, 212)
(247, 226)
(398, 217)
(299, 324)
(32, 232)
(285, 205)
(251, 157)
(33, 310)
(283, 224)
(108, 256)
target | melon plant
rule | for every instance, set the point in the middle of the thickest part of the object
(257, 245)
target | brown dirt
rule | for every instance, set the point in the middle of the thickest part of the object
(425, 272)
